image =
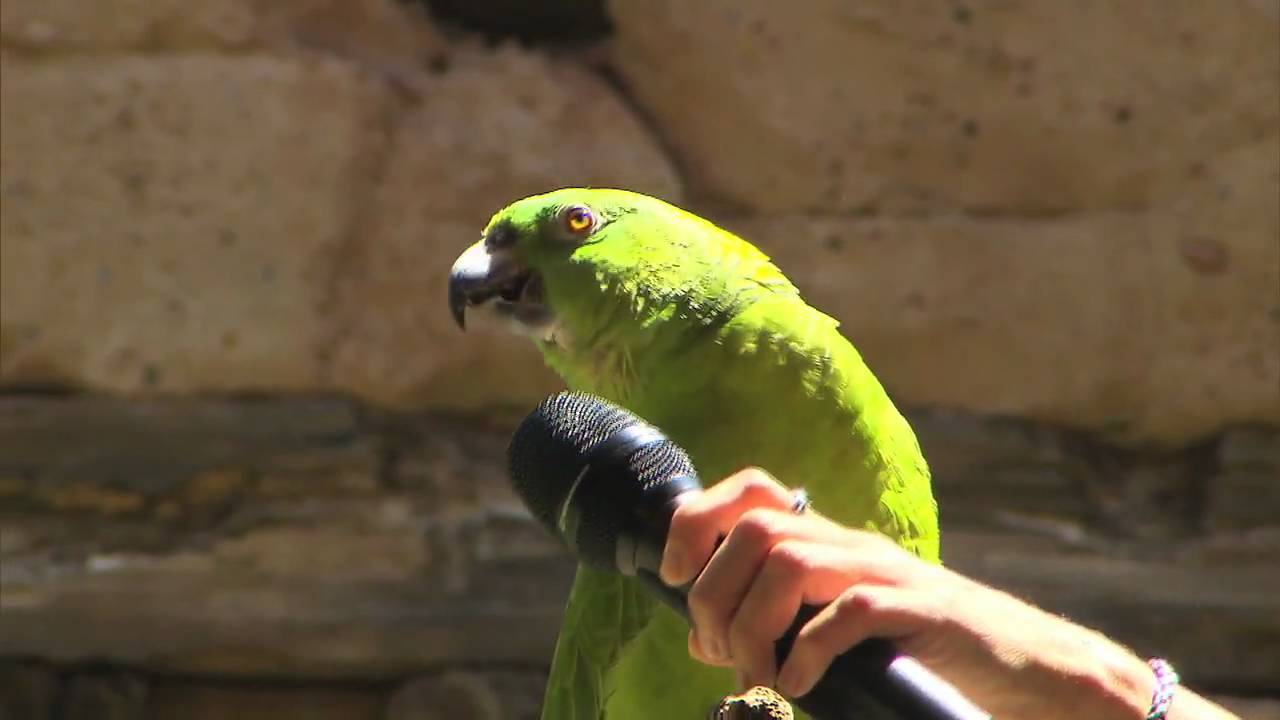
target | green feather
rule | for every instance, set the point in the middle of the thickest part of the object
(695, 330)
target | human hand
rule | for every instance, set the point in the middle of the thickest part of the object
(1009, 657)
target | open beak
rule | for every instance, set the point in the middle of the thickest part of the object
(495, 279)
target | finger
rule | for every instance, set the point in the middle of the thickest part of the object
(697, 653)
(719, 590)
(699, 522)
(860, 612)
(720, 587)
(794, 572)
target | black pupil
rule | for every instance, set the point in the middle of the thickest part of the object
(579, 217)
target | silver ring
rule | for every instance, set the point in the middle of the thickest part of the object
(799, 501)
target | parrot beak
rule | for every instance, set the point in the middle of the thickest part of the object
(495, 279)
(469, 278)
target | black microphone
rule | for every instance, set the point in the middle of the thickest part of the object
(605, 482)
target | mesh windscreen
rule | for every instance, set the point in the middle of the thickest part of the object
(548, 449)
(554, 443)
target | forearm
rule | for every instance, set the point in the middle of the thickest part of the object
(1122, 686)
(1011, 658)
(1058, 669)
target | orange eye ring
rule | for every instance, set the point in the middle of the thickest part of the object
(579, 220)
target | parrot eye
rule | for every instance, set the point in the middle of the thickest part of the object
(578, 219)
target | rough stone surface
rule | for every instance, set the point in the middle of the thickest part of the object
(382, 33)
(1100, 321)
(182, 236)
(488, 695)
(1245, 485)
(493, 128)
(1252, 708)
(105, 695)
(162, 248)
(172, 699)
(572, 22)
(43, 25)
(27, 690)
(390, 37)
(917, 106)
(259, 529)
(450, 695)
(306, 539)
(200, 614)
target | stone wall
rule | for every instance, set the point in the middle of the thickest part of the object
(249, 468)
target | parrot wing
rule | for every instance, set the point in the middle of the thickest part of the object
(603, 614)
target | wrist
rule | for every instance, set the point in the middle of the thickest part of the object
(1073, 672)
(1123, 682)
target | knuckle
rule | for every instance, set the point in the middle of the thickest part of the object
(755, 482)
(758, 523)
(755, 526)
(856, 603)
(787, 560)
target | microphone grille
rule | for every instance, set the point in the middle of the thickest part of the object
(548, 449)
(659, 462)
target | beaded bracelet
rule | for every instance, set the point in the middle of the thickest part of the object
(1166, 682)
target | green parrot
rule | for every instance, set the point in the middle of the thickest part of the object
(696, 331)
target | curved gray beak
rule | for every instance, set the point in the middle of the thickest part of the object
(495, 279)
(471, 281)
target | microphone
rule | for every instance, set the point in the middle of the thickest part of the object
(605, 482)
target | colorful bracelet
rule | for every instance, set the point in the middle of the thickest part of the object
(1166, 683)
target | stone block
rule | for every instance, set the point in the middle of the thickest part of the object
(172, 224)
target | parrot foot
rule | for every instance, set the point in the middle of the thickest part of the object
(758, 703)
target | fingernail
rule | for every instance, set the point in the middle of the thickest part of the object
(787, 682)
(704, 646)
(716, 650)
(673, 567)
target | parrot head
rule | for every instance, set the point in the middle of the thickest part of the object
(573, 265)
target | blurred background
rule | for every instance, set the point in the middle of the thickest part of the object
(250, 469)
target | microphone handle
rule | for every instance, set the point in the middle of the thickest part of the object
(871, 674)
